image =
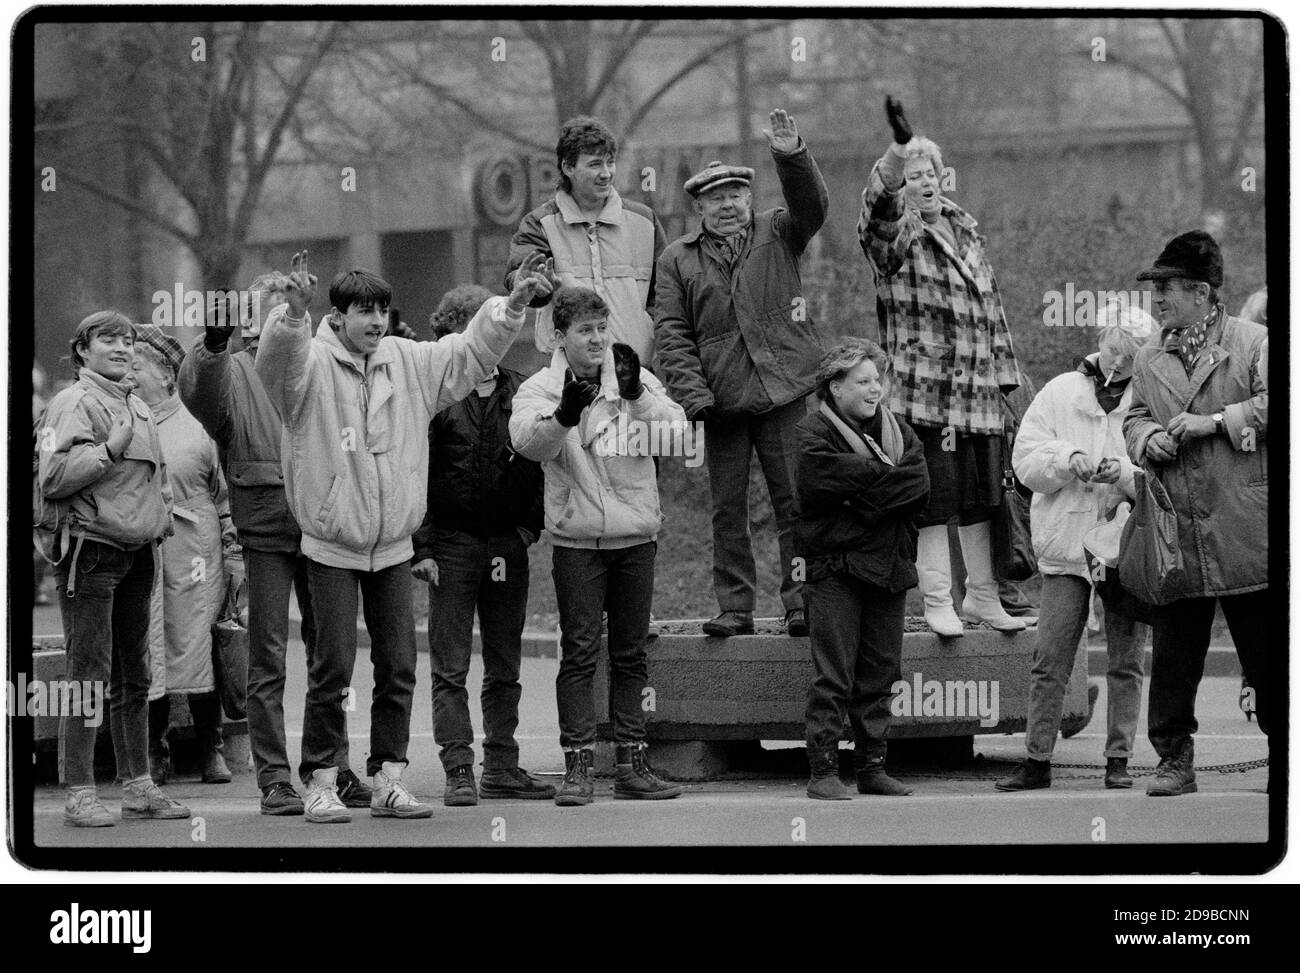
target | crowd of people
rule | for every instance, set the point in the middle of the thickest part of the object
(347, 463)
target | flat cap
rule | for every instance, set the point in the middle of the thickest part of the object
(172, 351)
(716, 174)
(1193, 255)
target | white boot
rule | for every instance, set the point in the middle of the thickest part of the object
(981, 602)
(934, 578)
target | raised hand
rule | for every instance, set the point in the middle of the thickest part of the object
(529, 279)
(575, 397)
(897, 120)
(219, 323)
(300, 287)
(783, 136)
(627, 368)
(1080, 467)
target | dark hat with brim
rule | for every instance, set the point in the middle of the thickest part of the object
(716, 174)
(1194, 256)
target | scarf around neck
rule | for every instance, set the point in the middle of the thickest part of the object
(861, 443)
(1187, 344)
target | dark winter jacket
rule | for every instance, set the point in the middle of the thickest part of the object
(477, 482)
(856, 512)
(744, 344)
(222, 390)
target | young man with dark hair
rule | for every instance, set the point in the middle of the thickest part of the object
(597, 239)
(484, 510)
(602, 511)
(102, 478)
(356, 407)
(221, 388)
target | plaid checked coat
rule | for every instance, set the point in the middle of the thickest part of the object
(949, 348)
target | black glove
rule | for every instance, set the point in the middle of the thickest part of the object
(627, 368)
(219, 324)
(577, 395)
(897, 120)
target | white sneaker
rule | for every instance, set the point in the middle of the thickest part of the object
(391, 799)
(321, 804)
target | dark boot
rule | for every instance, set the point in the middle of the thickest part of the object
(635, 778)
(160, 757)
(796, 623)
(1031, 775)
(578, 787)
(1117, 772)
(1176, 774)
(824, 782)
(206, 710)
(729, 623)
(872, 779)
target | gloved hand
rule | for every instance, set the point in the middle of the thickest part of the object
(627, 368)
(897, 120)
(577, 395)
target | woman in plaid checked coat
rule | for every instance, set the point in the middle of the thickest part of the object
(951, 361)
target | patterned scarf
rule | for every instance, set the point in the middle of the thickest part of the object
(730, 247)
(1187, 344)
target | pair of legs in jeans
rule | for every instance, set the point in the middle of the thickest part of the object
(272, 575)
(1063, 612)
(587, 583)
(386, 604)
(489, 574)
(106, 639)
(729, 445)
(856, 631)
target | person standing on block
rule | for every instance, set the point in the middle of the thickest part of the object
(738, 351)
(951, 363)
(356, 407)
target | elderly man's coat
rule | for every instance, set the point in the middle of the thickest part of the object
(1218, 484)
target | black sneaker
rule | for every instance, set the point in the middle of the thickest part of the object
(460, 790)
(578, 787)
(281, 799)
(634, 777)
(353, 791)
(514, 783)
(796, 623)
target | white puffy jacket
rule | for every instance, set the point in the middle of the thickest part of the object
(1064, 418)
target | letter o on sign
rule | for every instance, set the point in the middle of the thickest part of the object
(501, 190)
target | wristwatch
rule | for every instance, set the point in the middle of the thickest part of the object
(1219, 425)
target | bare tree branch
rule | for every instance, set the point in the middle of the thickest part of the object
(131, 206)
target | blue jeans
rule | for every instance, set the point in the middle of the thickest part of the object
(271, 577)
(587, 582)
(856, 631)
(106, 638)
(471, 576)
(1062, 616)
(386, 604)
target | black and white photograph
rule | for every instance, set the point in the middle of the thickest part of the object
(649, 440)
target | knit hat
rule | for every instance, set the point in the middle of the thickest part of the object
(716, 174)
(171, 350)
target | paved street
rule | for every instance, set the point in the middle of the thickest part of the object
(958, 806)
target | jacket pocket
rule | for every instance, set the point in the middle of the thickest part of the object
(326, 520)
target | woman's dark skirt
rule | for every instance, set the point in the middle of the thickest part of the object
(965, 478)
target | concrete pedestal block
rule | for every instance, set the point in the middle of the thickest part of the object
(755, 687)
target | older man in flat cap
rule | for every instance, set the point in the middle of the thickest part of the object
(1199, 422)
(739, 351)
